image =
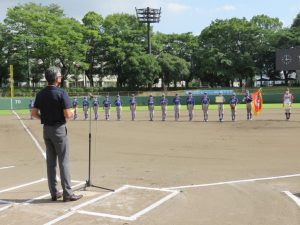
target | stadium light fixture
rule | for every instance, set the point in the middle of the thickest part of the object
(148, 15)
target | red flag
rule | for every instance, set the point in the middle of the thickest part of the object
(257, 102)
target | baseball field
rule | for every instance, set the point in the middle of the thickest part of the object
(162, 173)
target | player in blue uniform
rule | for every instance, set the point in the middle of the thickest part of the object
(221, 102)
(106, 106)
(75, 108)
(85, 107)
(30, 106)
(233, 106)
(248, 100)
(205, 104)
(190, 104)
(151, 103)
(177, 104)
(163, 105)
(118, 104)
(96, 107)
(133, 104)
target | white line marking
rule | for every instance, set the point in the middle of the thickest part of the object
(31, 135)
(28, 202)
(74, 209)
(150, 189)
(5, 202)
(60, 218)
(5, 207)
(76, 181)
(140, 213)
(154, 205)
(6, 167)
(106, 215)
(98, 198)
(293, 197)
(232, 182)
(23, 185)
(33, 138)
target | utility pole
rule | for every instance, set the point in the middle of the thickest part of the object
(148, 15)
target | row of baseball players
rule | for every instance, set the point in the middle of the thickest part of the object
(190, 103)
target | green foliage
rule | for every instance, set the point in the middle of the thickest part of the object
(34, 36)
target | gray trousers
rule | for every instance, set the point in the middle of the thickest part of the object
(119, 110)
(163, 112)
(57, 147)
(151, 112)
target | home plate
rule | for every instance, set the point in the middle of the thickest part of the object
(128, 202)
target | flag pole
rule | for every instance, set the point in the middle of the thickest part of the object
(12, 89)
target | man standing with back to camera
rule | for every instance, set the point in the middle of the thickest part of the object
(53, 106)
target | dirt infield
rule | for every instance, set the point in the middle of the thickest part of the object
(163, 173)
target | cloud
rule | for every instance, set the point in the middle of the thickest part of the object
(226, 8)
(176, 8)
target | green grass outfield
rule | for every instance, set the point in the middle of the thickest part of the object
(145, 108)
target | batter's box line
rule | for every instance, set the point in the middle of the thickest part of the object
(135, 216)
(28, 202)
(293, 197)
(232, 182)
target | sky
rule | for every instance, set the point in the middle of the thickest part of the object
(178, 16)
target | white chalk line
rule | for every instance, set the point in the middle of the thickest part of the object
(5, 207)
(65, 216)
(14, 188)
(73, 210)
(112, 216)
(30, 134)
(6, 167)
(23, 185)
(293, 197)
(28, 202)
(37, 144)
(232, 182)
(154, 205)
(105, 215)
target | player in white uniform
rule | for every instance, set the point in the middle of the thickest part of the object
(288, 99)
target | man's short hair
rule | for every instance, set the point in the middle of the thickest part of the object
(51, 74)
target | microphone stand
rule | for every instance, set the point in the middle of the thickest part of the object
(89, 182)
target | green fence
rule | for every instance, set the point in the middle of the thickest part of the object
(23, 103)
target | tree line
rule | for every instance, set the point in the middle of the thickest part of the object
(34, 36)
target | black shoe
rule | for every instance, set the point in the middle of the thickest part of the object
(57, 196)
(72, 198)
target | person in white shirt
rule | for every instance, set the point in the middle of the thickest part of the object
(288, 99)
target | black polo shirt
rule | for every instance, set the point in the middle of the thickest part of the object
(51, 101)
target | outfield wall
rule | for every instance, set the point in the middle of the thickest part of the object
(22, 103)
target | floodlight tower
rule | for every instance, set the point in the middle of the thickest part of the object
(148, 15)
